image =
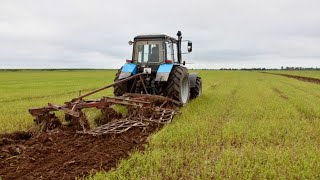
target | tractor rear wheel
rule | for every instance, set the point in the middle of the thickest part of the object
(197, 90)
(178, 85)
(122, 88)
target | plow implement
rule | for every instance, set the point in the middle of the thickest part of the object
(142, 109)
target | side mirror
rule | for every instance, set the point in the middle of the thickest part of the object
(189, 46)
(130, 42)
(183, 63)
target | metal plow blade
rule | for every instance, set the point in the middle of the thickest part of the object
(142, 110)
(158, 115)
(115, 127)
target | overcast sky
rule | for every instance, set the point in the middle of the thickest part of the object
(95, 34)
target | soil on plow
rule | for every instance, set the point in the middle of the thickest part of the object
(63, 154)
(301, 78)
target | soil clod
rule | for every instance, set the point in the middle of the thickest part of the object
(60, 154)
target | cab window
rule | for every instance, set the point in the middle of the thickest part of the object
(148, 52)
(169, 49)
(175, 51)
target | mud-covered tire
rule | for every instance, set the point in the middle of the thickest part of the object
(197, 90)
(178, 85)
(119, 89)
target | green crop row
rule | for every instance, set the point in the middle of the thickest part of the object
(246, 125)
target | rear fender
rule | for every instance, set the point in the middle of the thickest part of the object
(127, 70)
(193, 79)
(163, 72)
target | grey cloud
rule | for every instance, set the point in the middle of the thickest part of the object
(94, 34)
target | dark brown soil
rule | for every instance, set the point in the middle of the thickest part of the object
(301, 78)
(64, 154)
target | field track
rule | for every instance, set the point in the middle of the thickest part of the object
(301, 78)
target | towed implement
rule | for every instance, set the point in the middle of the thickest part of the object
(151, 86)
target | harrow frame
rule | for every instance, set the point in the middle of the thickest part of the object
(163, 109)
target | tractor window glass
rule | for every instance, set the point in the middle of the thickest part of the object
(175, 51)
(148, 53)
(170, 54)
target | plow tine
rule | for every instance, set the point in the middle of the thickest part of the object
(65, 110)
(115, 127)
(163, 103)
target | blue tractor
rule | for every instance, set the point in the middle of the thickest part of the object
(159, 58)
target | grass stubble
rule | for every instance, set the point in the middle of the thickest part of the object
(246, 125)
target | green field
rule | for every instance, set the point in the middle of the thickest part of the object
(245, 125)
(24, 89)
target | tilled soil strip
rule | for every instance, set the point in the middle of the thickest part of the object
(64, 154)
(301, 78)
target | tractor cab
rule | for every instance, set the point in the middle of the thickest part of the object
(157, 58)
(154, 49)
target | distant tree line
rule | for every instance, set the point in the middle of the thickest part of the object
(282, 68)
(300, 68)
(232, 69)
(62, 69)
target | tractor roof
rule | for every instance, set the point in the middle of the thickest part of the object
(151, 36)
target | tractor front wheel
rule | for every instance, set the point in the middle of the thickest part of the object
(119, 89)
(178, 85)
